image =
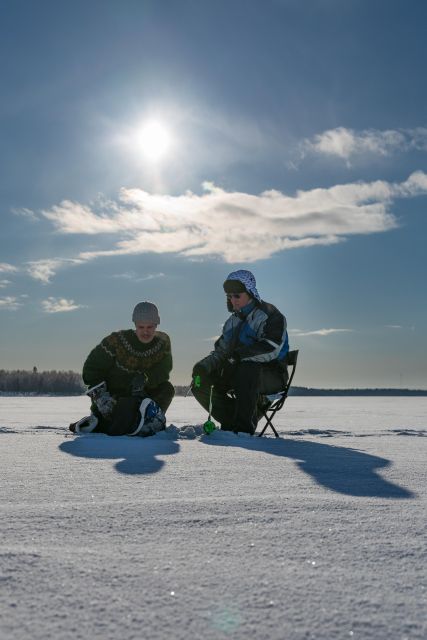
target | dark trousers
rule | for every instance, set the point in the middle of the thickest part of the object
(126, 414)
(162, 394)
(236, 393)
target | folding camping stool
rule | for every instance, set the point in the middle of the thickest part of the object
(277, 400)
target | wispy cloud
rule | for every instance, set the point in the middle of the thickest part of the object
(10, 303)
(133, 277)
(26, 213)
(319, 332)
(4, 283)
(399, 327)
(7, 268)
(44, 270)
(215, 222)
(347, 143)
(59, 305)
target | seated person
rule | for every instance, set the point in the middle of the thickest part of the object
(128, 379)
(248, 358)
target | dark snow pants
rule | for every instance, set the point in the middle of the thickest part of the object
(126, 414)
(162, 394)
(239, 411)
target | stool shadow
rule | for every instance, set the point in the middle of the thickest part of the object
(340, 469)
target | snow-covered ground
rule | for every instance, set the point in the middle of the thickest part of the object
(319, 534)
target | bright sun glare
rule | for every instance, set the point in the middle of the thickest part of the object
(154, 140)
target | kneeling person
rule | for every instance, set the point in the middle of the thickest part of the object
(248, 360)
(128, 379)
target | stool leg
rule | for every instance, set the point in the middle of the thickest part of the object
(268, 424)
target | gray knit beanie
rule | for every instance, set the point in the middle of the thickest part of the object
(146, 312)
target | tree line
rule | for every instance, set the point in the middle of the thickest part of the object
(71, 383)
(21, 381)
(43, 382)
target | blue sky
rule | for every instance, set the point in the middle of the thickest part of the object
(294, 144)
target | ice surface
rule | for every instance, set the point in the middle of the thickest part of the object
(318, 534)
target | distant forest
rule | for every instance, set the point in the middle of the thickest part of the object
(71, 383)
(309, 391)
(41, 382)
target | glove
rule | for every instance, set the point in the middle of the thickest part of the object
(104, 402)
(154, 425)
(199, 370)
(203, 367)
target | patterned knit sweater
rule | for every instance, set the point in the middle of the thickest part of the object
(121, 356)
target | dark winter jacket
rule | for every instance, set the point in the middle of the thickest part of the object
(121, 356)
(255, 334)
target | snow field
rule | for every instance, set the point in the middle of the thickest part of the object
(320, 534)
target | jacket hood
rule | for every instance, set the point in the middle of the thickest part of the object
(247, 278)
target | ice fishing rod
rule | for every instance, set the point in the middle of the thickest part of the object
(209, 426)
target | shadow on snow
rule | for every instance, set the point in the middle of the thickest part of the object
(341, 469)
(137, 455)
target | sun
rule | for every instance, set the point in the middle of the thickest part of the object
(154, 139)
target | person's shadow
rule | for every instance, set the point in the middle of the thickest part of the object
(341, 469)
(136, 455)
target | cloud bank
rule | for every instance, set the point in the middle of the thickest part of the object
(233, 226)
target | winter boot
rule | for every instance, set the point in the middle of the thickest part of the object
(85, 425)
(152, 419)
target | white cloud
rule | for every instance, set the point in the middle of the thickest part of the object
(59, 305)
(234, 226)
(4, 283)
(7, 268)
(44, 270)
(132, 276)
(319, 332)
(72, 217)
(346, 143)
(10, 303)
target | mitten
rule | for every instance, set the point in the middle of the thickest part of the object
(104, 402)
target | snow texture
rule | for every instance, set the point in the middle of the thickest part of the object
(318, 534)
